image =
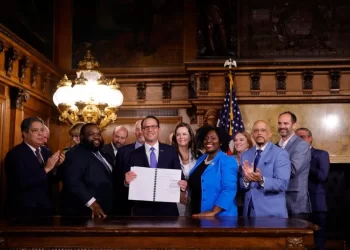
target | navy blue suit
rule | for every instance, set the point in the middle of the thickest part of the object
(108, 149)
(27, 183)
(84, 177)
(319, 168)
(121, 206)
(168, 158)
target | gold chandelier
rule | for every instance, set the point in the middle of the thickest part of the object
(93, 98)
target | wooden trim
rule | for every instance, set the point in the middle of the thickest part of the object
(13, 40)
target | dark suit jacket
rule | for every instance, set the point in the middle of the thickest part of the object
(168, 158)
(121, 206)
(27, 182)
(319, 168)
(84, 177)
(108, 149)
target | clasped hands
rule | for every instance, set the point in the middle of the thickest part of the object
(129, 176)
(55, 160)
(249, 174)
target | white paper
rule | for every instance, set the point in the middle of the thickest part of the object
(141, 188)
(167, 189)
(149, 186)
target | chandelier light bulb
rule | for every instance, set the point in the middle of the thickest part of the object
(90, 97)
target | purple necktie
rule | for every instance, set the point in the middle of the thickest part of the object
(153, 158)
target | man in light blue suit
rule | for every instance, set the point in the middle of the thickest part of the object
(297, 195)
(265, 175)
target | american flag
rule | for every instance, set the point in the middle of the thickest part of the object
(230, 117)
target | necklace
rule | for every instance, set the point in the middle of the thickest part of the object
(206, 161)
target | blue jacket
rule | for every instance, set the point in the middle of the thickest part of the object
(219, 184)
(275, 167)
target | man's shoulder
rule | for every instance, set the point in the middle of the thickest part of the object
(296, 142)
(107, 146)
(127, 147)
(316, 152)
(166, 148)
(19, 148)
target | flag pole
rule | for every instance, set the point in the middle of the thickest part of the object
(230, 63)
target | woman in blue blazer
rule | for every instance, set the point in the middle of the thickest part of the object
(213, 180)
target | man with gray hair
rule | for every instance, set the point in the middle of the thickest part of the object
(119, 136)
(319, 168)
(46, 135)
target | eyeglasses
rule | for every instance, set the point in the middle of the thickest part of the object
(152, 127)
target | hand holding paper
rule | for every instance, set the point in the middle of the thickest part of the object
(156, 184)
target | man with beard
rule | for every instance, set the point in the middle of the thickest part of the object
(119, 136)
(298, 200)
(122, 206)
(265, 175)
(87, 177)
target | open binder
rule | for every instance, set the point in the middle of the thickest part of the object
(155, 184)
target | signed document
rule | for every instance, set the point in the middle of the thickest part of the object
(155, 184)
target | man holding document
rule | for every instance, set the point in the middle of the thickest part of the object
(156, 172)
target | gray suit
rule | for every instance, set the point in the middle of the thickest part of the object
(297, 195)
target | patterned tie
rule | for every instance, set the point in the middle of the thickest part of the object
(257, 158)
(153, 158)
(38, 156)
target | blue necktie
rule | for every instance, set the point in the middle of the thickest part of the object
(257, 158)
(153, 159)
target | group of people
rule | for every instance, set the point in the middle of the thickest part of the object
(265, 179)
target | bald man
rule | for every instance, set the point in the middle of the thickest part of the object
(119, 136)
(122, 206)
(265, 175)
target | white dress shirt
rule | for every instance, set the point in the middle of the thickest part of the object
(148, 151)
(34, 149)
(284, 144)
(115, 150)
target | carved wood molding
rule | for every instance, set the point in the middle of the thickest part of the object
(11, 38)
(141, 91)
(45, 81)
(200, 117)
(2, 46)
(334, 76)
(308, 76)
(204, 81)
(11, 56)
(36, 71)
(192, 86)
(18, 97)
(166, 87)
(24, 64)
(294, 242)
(281, 85)
(255, 82)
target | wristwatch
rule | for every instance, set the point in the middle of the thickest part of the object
(261, 182)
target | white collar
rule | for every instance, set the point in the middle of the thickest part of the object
(148, 147)
(262, 148)
(284, 144)
(32, 148)
(114, 148)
